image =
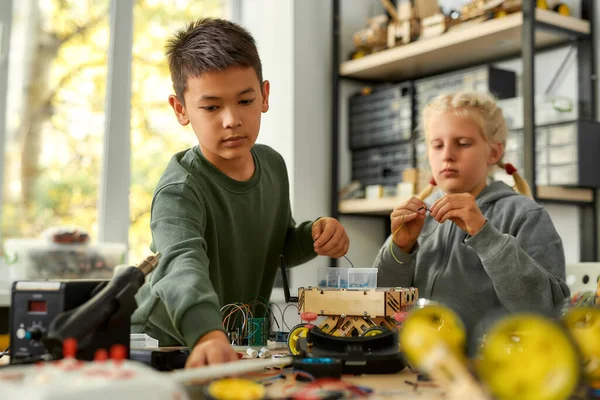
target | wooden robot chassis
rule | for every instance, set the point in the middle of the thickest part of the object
(352, 312)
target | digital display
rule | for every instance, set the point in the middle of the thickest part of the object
(37, 306)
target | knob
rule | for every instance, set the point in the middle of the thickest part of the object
(35, 333)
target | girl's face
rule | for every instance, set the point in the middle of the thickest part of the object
(458, 154)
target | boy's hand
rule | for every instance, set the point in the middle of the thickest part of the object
(461, 209)
(212, 348)
(330, 238)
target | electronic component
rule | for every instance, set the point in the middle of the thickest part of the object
(94, 313)
(36, 304)
(252, 353)
(376, 354)
(259, 331)
(264, 353)
(320, 367)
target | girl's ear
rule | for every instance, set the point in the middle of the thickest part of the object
(496, 153)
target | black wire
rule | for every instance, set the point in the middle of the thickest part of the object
(5, 352)
(349, 261)
(433, 230)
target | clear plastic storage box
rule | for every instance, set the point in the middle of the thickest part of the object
(347, 278)
(41, 259)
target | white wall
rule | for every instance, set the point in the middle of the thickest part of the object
(293, 39)
(270, 21)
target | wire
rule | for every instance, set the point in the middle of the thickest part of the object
(239, 307)
(283, 314)
(282, 318)
(5, 352)
(403, 226)
(392, 240)
(430, 233)
(349, 261)
(272, 315)
(269, 304)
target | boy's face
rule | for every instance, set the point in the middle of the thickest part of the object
(458, 154)
(224, 109)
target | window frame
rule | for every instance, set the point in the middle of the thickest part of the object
(5, 28)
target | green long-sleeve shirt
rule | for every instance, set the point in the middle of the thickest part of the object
(220, 241)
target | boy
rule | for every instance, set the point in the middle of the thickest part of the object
(221, 213)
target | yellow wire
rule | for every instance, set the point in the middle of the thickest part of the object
(392, 241)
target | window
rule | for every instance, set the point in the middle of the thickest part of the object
(155, 133)
(54, 115)
(54, 110)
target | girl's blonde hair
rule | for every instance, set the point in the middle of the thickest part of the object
(481, 108)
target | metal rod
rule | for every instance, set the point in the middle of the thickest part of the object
(528, 56)
(335, 114)
(586, 95)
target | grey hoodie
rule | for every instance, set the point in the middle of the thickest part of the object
(514, 263)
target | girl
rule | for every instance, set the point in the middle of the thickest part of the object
(499, 249)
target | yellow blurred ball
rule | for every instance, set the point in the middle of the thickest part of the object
(236, 389)
(584, 325)
(428, 327)
(528, 357)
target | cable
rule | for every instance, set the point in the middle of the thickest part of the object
(402, 226)
(282, 318)
(392, 240)
(239, 307)
(5, 352)
(270, 311)
(349, 261)
(272, 315)
(283, 314)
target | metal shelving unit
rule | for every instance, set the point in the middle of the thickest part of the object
(523, 34)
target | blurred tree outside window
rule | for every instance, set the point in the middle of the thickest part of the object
(55, 115)
(56, 118)
(155, 133)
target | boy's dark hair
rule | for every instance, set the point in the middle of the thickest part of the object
(208, 45)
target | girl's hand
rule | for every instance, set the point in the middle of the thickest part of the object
(461, 209)
(407, 222)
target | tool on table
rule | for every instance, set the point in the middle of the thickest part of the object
(94, 313)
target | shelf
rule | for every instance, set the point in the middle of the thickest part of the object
(577, 195)
(369, 207)
(471, 44)
(385, 206)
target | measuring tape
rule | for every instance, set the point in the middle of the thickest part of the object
(320, 367)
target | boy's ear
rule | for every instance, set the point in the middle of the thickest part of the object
(180, 111)
(496, 153)
(265, 89)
